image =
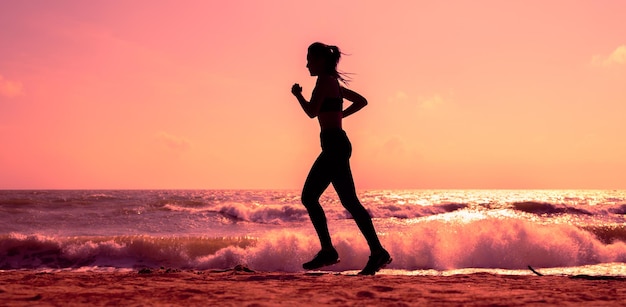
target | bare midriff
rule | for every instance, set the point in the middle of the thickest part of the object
(330, 120)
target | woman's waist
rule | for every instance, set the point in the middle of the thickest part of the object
(329, 120)
(333, 131)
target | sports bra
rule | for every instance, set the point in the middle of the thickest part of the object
(332, 104)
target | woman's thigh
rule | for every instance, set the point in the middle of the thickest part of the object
(318, 179)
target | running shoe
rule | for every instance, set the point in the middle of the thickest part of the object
(323, 258)
(376, 263)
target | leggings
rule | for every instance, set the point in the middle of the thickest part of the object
(333, 166)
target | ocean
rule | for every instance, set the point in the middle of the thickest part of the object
(427, 232)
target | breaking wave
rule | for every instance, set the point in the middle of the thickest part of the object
(434, 244)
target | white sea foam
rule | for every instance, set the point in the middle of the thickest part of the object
(271, 231)
(430, 244)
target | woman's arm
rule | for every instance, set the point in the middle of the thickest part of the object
(296, 90)
(358, 101)
(312, 108)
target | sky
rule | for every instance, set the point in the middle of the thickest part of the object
(152, 94)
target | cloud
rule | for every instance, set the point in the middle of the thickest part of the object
(430, 102)
(172, 142)
(398, 97)
(10, 88)
(617, 57)
(424, 102)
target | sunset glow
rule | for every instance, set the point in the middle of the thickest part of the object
(196, 94)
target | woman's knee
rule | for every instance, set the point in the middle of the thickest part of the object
(312, 191)
(356, 209)
(309, 199)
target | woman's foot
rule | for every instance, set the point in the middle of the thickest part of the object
(377, 261)
(323, 258)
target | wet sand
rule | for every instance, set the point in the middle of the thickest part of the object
(241, 288)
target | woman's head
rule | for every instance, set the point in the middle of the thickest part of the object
(322, 59)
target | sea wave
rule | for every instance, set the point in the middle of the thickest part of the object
(547, 208)
(40, 251)
(427, 244)
(618, 210)
(280, 213)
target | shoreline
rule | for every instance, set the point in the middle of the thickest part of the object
(241, 287)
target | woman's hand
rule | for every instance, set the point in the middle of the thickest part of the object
(296, 89)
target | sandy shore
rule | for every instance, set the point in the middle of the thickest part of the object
(240, 288)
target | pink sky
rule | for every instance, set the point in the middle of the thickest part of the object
(196, 94)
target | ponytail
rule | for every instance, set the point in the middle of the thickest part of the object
(335, 54)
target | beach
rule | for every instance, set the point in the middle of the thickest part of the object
(239, 287)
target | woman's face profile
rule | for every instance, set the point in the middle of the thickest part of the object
(314, 64)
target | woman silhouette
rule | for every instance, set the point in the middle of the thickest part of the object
(333, 165)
